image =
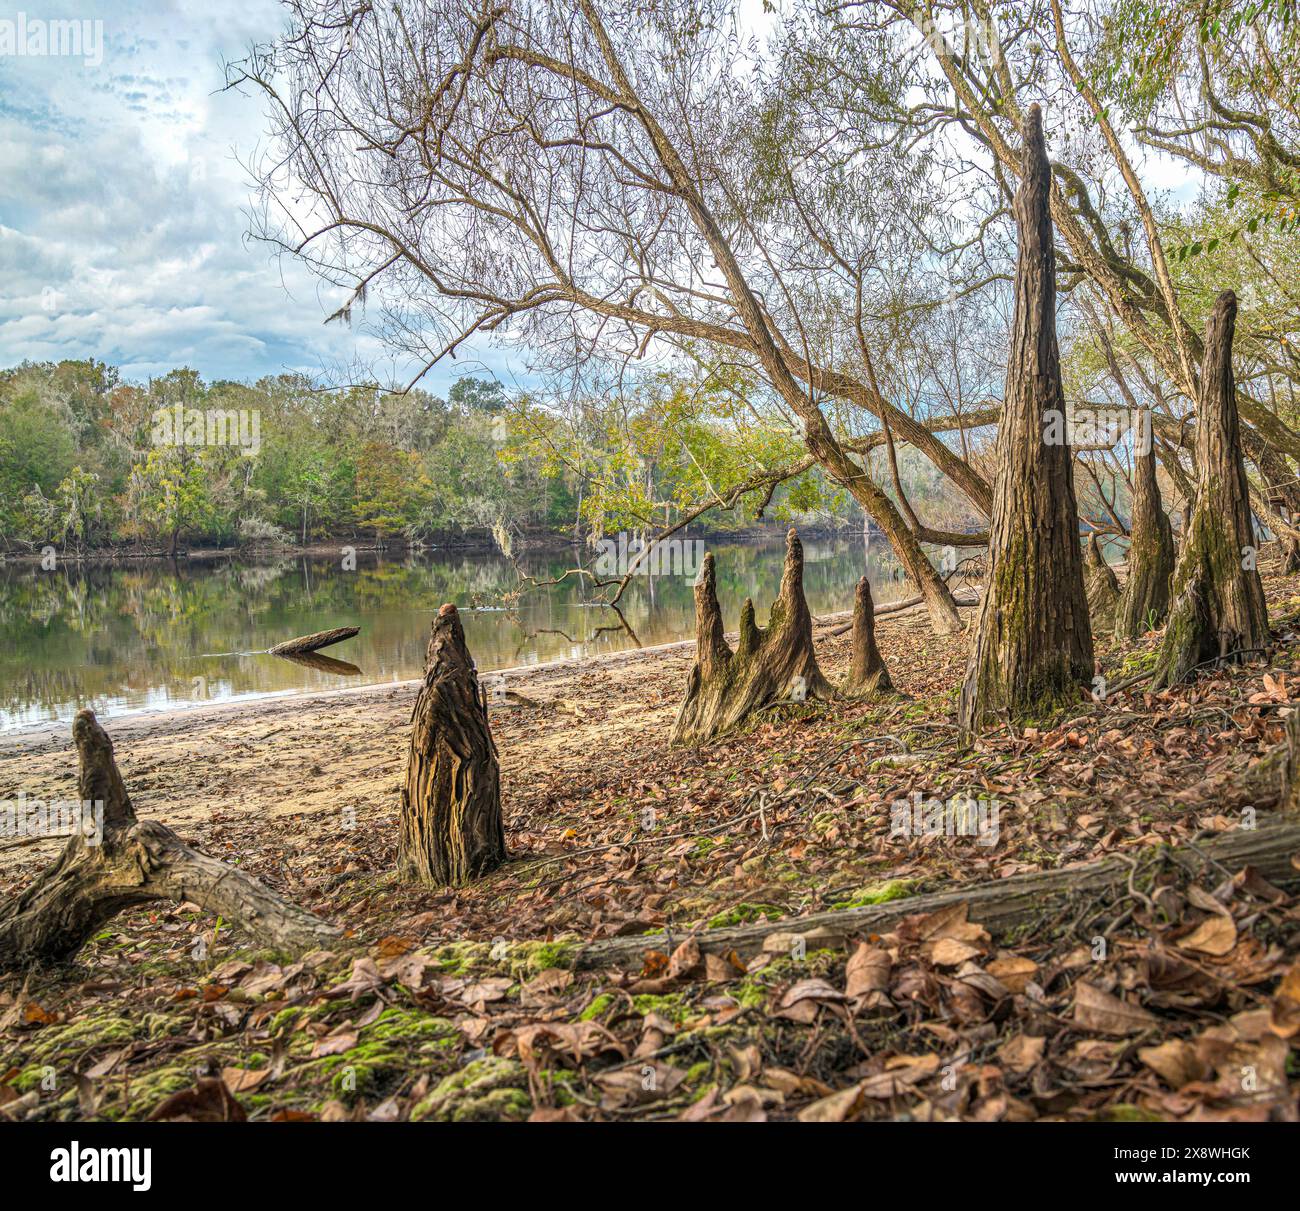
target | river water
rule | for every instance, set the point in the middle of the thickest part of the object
(148, 634)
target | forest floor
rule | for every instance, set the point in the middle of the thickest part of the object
(468, 1004)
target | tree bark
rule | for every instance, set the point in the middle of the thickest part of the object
(778, 663)
(867, 672)
(1218, 608)
(134, 862)
(451, 828)
(1100, 586)
(1033, 645)
(1145, 600)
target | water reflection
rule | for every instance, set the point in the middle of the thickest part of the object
(152, 634)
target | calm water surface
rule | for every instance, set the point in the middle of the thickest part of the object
(148, 634)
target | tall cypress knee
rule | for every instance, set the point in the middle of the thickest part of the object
(867, 673)
(1218, 608)
(1145, 600)
(451, 826)
(1100, 585)
(1033, 645)
(769, 665)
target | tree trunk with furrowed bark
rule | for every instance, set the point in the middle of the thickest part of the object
(867, 673)
(1033, 645)
(1218, 609)
(134, 862)
(451, 828)
(1145, 600)
(1100, 586)
(771, 665)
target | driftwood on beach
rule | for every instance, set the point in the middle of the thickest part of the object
(314, 642)
(127, 861)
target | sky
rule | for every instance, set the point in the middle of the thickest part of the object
(122, 199)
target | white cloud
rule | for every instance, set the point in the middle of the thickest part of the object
(121, 206)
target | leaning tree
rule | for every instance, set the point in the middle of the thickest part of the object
(1218, 608)
(124, 861)
(1033, 645)
(602, 181)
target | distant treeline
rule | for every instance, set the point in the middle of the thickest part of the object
(89, 461)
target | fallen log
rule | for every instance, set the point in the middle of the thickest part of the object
(312, 643)
(121, 862)
(999, 905)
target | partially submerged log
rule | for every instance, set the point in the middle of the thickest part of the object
(451, 827)
(1101, 587)
(313, 642)
(1218, 611)
(999, 905)
(133, 862)
(1145, 600)
(867, 673)
(771, 665)
(1033, 646)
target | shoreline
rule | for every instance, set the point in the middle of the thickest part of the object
(137, 720)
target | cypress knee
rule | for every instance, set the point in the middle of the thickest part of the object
(769, 665)
(1033, 644)
(451, 827)
(1145, 600)
(1100, 586)
(115, 861)
(1218, 610)
(867, 672)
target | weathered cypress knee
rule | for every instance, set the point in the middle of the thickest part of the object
(1218, 609)
(1033, 645)
(867, 672)
(1145, 600)
(1101, 587)
(451, 826)
(768, 665)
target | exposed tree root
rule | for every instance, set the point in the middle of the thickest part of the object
(134, 862)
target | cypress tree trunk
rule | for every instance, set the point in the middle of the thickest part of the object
(1033, 646)
(131, 862)
(1100, 586)
(867, 672)
(1145, 600)
(1218, 605)
(451, 828)
(767, 666)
